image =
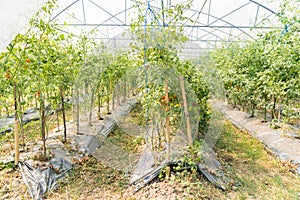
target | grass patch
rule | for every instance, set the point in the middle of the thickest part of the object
(87, 177)
(255, 173)
(252, 171)
(137, 116)
(32, 131)
(126, 142)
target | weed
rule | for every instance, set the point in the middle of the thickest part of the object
(126, 142)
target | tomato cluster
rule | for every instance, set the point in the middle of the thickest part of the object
(7, 74)
(172, 98)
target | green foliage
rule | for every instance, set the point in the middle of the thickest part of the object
(188, 163)
(191, 156)
(42, 63)
(159, 38)
(8, 165)
(264, 74)
(126, 142)
(195, 80)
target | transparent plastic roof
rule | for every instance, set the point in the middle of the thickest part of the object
(214, 21)
(14, 15)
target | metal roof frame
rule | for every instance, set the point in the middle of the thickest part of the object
(208, 31)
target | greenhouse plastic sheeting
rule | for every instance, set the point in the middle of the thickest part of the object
(144, 166)
(39, 182)
(109, 126)
(14, 16)
(6, 123)
(284, 148)
(211, 168)
(87, 143)
(146, 171)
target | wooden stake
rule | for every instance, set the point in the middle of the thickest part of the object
(91, 107)
(16, 127)
(167, 121)
(125, 92)
(107, 102)
(168, 172)
(21, 131)
(154, 132)
(113, 98)
(43, 125)
(186, 111)
(77, 111)
(99, 107)
(63, 113)
(57, 120)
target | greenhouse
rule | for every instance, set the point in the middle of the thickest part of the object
(149, 99)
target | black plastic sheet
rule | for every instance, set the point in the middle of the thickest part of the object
(40, 182)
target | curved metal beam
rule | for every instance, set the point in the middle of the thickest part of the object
(229, 13)
(220, 19)
(185, 26)
(63, 10)
(196, 11)
(198, 25)
(114, 16)
(119, 13)
(265, 7)
(226, 22)
(209, 32)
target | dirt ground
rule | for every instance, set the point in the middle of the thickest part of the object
(252, 172)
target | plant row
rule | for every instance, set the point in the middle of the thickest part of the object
(263, 76)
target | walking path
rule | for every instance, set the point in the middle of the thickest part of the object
(285, 148)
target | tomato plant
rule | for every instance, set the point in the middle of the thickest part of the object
(263, 75)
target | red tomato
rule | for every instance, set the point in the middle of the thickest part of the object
(7, 75)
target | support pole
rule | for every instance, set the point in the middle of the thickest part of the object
(77, 111)
(168, 138)
(99, 107)
(167, 121)
(63, 113)
(91, 106)
(16, 127)
(186, 111)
